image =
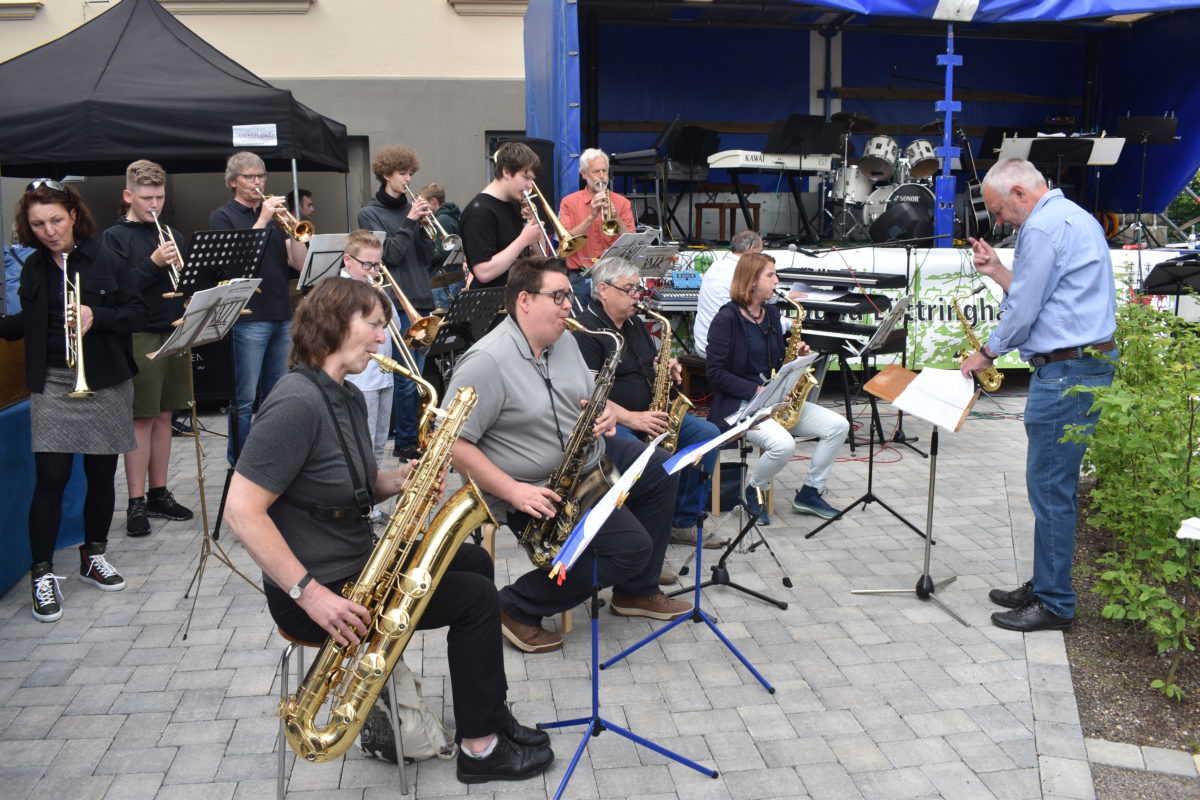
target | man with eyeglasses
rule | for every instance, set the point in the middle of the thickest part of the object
(360, 261)
(616, 288)
(261, 338)
(533, 384)
(583, 213)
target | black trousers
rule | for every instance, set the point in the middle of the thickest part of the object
(627, 552)
(465, 602)
(53, 471)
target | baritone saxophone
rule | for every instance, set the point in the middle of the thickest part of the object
(395, 586)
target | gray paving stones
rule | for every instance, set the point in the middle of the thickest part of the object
(876, 696)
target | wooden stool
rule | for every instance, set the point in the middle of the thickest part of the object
(488, 531)
(732, 208)
(692, 367)
(293, 647)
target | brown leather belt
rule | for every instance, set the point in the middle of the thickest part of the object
(1071, 352)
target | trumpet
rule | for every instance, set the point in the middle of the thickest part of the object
(300, 231)
(423, 330)
(567, 244)
(609, 224)
(434, 229)
(72, 333)
(174, 268)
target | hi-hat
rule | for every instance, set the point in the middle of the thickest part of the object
(854, 120)
(932, 126)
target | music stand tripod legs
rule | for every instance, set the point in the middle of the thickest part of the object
(597, 724)
(926, 588)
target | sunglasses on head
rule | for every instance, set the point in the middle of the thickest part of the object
(49, 183)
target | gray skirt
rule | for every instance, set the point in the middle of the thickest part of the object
(98, 425)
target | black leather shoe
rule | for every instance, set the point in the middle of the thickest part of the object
(507, 762)
(1033, 616)
(1014, 599)
(523, 734)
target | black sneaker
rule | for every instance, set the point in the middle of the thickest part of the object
(162, 504)
(95, 569)
(136, 521)
(1014, 599)
(506, 762)
(47, 596)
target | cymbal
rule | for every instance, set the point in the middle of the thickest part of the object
(932, 126)
(449, 277)
(854, 120)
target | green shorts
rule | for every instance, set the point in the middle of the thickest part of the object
(161, 384)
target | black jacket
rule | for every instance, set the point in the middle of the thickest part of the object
(109, 288)
(135, 241)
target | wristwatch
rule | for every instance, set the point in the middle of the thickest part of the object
(984, 352)
(298, 589)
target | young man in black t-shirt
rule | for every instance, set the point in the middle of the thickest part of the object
(495, 230)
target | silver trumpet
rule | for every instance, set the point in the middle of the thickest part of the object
(174, 268)
(434, 229)
(73, 333)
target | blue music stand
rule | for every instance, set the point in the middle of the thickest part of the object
(597, 724)
(698, 614)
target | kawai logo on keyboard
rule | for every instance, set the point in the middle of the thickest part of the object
(755, 157)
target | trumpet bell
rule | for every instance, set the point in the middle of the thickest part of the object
(452, 242)
(610, 226)
(303, 231)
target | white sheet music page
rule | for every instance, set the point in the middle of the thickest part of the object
(939, 396)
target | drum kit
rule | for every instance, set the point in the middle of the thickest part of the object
(883, 179)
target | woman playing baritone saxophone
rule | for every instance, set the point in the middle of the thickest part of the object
(292, 503)
(745, 347)
(54, 220)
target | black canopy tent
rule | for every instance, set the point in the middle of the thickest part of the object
(136, 83)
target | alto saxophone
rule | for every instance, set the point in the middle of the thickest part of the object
(989, 377)
(674, 408)
(543, 538)
(395, 586)
(789, 415)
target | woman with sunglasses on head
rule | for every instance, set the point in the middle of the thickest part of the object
(54, 220)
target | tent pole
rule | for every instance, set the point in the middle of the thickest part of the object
(346, 192)
(296, 188)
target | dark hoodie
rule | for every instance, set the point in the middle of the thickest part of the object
(407, 251)
(134, 242)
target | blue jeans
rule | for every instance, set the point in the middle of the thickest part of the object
(259, 360)
(1052, 470)
(581, 285)
(687, 501)
(406, 398)
(443, 297)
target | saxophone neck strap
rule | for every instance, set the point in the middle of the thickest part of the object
(364, 498)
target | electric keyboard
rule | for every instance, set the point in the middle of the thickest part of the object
(770, 162)
(842, 277)
(849, 303)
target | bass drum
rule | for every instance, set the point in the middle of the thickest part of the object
(900, 211)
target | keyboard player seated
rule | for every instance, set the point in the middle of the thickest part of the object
(745, 347)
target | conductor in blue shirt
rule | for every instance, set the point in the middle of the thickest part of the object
(1059, 314)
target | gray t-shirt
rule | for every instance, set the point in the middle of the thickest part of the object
(519, 418)
(293, 450)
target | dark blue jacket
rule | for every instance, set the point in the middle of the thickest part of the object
(726, 367)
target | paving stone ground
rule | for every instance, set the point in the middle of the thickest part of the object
(877, 696)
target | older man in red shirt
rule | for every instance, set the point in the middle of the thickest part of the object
(582, 213)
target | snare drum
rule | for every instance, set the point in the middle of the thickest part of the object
(851, 186)
(879, 157)
(922, 161)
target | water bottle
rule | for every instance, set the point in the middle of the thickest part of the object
(1192, 243)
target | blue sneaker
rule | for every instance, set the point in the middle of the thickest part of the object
(809, 501)
(753, 503)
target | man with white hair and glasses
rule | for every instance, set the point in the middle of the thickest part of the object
(583, 213)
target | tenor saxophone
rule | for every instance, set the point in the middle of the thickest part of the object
(675, 408)
(789, 415)
(395, 586)
(989, 377)
(579, 490)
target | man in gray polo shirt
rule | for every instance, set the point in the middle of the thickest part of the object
(532, 382)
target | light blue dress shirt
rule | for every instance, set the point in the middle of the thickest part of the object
(1062, 292)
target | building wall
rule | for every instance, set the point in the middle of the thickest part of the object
(413, 72)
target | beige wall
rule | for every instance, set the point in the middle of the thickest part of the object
(412, 38)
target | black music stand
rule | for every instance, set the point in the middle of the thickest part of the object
(472, 314)
(1061, 153)
(209, 317)
(1145, 131)
(1176, 276)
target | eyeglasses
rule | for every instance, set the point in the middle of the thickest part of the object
(632, 291)
(49, 183)
(368, 265)
(253, 176)
(557, 295)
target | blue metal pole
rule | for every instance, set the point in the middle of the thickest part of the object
(943, 215)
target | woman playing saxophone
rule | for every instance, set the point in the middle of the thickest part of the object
(299, 502)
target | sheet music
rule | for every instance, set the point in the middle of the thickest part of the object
(777, 389)
(940, 396)
(209, 315)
